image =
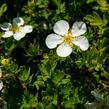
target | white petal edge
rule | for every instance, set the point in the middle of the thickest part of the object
(64, 50)
(1, 84)
(18, 21)
(19, 35)
(90, 105)
(61, 27)
(97, 96)
(82, 42)
(5, 26)
(78, 28)
(7, 34)
(53, 40)
(0, 72)
(26, 29)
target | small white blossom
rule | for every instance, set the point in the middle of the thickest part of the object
(101, 103)
(90, 105)
(0, 72)
(1, 85)
(97, 96)
(64, 37)
(16, 29)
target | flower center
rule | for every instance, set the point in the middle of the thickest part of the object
(15, 29)
(68, 38)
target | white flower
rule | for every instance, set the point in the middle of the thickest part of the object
(90, 105)
(101, 103)
(66, 37)
(0, 72)
(97, 96)
(1, 84)
(16, 29)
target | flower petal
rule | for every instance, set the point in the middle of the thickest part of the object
(97, 96)
(61, 27)
(26, 29)
(5, 26)
(1, 84)
(90, 105)
(0, 72)
(82, 42)
(18, 21)
(64, 50)
(19, 35)
(53, 40)
(78, 28)
(7, 34)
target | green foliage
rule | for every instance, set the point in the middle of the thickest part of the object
(95, 19)
(3, 8)
(36, 77)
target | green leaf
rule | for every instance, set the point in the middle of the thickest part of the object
(24, 75)
(102, 2)
(104, 6)
(3, 8)
(57, 77)
(94, 19)
(38, 84)
(65, 81)
(90, 1)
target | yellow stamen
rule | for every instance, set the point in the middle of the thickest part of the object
(15, 29)
(5, 61)
(68, 38)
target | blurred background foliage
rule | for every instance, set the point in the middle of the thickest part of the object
(35, 77)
